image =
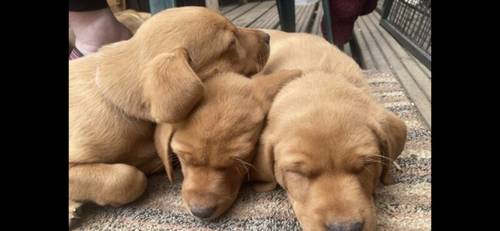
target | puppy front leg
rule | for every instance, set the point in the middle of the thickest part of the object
(104, 184)
(73, 206)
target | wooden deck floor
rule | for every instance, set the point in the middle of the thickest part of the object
(264, 14)
(379, 50)
(372, 46)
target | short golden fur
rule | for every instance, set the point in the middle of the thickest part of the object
(215, 144)
(327, 142)
(117, 94)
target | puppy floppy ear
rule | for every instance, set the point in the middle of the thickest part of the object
(391, 132)
(262, 175)
(162, 88)
(265, 87)
(162, 138)
(171, 87)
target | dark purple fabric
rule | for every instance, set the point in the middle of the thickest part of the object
(87, 5)
(344, 13)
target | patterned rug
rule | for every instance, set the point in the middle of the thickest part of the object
(405, 205)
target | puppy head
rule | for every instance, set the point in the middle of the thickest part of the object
(215, 142)
(247, 52)
(157, 74)
(213, 43)
(330, 165)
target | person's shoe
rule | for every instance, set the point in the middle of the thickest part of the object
(75, 53)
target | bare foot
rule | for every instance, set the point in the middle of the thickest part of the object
(94, 29)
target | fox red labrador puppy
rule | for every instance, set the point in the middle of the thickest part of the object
(215, 143)
(118, 94)
(327, 141)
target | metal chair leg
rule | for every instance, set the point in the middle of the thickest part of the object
(327, 18)
(159, 5)
(286, 11)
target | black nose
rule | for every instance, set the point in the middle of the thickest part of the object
(202, 212)
(356, 226)
(267, 38)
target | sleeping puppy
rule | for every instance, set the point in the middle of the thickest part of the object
(327, 142)
(118, 94)
(215, 142)
(310, 53)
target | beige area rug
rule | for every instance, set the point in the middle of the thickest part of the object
(405, 205)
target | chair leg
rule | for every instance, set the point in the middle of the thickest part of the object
(286, 11)
(159, 5)
(327, 18)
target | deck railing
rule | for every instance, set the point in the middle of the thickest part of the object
(409, 21)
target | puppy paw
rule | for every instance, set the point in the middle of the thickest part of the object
(263, 186)
(73, 206)
(292, 73)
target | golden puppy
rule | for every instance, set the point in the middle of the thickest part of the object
(215, 143)
(116, 95)
(327, 142)
(310, 53)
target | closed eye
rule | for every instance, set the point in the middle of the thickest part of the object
(299, 167)
(297, 177)
(365, 162)
(299, 172)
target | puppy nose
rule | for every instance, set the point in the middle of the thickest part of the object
(202, 212)
(356, 226)
(267, 38)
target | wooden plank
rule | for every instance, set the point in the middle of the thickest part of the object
(405, 55)
(396, 67)
(312, 17)
(240, 10)
(309, 17)
(316, 28)
(270, 19)
(263, 17)
(228, 8)
(298, 13)
(365, 56)
(355, 50)
(212, 4)
(254, 14)
(266, 19)
(424, 68)
(273, 21)
(375, 54)
(266, 16)
(303, 21)
(402, 56)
